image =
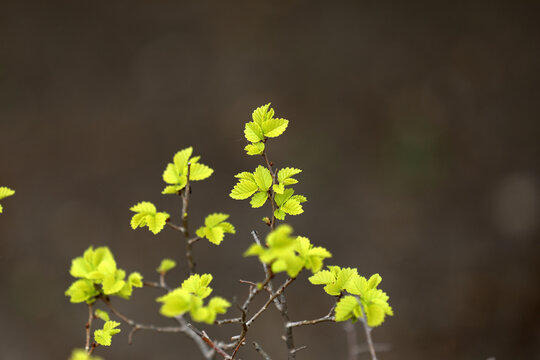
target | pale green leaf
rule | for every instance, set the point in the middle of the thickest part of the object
(81, 354)
(198, 285)
(214, 219)
(5, 192)
(259, 199)
(102, 315)
(345, 308)
(263, 178)
(166, 265)
(104, 336)
(245, 175)
(199, 172)
(274, 127)
(176, 302)
(135, 279)
(253, 132)
(243, 189)
(374, 281)
(261, 114)
(214, 235)
(181, 159)
(82, 290)
(227, 227)
(322, 277)
(255, 149)
(292, 207)
(171, 175)
(278, 188)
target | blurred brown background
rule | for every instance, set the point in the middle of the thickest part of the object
(416, 125)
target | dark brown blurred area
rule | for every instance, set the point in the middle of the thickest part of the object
(416, 124)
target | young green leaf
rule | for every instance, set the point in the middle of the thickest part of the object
(255, 148)
(198, 285)
(102, 314)
(176, 302)
(82, 290)
(147, 215)
(312, 256)
(263, 178)
(215, 228)
(348, 308)
(166, 265)
(253, 132)
(81, 354)
(274, 127)
(258, 199)
(288, 204)
(175, 173)
(104, 336)
(5, 192)
(262, 113)
(244, 189)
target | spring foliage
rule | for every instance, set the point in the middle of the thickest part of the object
(98, 276)
(4, 193)
(190, 298)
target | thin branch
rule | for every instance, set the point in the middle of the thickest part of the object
(185, 206)
(261, 352)
(294, 351)
(270, 191)
(367, 330)
(175, 227)
(89, 327)
(209, 341)
(326, 318)
(269, 301)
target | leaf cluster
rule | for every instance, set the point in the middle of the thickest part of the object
(4, 193)
(263, 126)
(176, 173)
(373, 301)
(190, 298)
(287, 253)
(257, 185)
(215, 227)
(147, 215)
(104, 336)
(99, 275)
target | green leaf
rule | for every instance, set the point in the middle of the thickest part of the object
(166, 265)
(176, 302)
(135, 279)
(147, 215)
(215, 219)
(114, 282)
(285, 175)
(82, 290)
(253, 132)
(280, 199)
(259, 199)
(278, 188)
(345, 308)
(374, 281)
(292, 207)
(102, 314)
(219, 305)
(274, 127)
(80, 354)
(215, 228)
(104, 336)
(175, 173)
(312, 256)
(263, 178)
(199, 172)
(214, 235)
(262, 113)
(5, 192)
(243, 189)
(245, 175)
(322, 277)
(198, 285)
(181, 158)
(255, 149)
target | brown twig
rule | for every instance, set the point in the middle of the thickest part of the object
(175, 227)
(89, 327)
(326, 318)
(185, 206)
(209, 341)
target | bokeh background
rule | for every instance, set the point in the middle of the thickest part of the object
(416, 125)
